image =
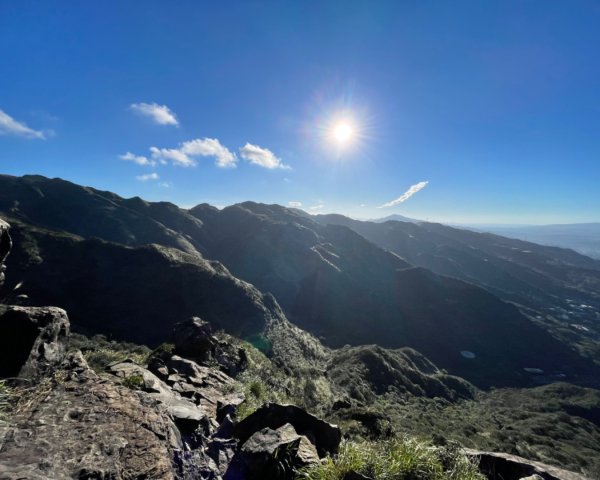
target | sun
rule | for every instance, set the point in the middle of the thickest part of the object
(343, 133)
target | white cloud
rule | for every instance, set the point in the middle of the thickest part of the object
(148, 176)
(319, 206)
(176, 156)
(160, 114)
(10, 126)
(210, 147)
(165, 184)
(295, 204)
(139, 159)
(261, 156)
(406, 195)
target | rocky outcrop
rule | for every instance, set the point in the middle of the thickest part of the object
(194, 339)
(326, 437)
(32, 340)
(511, 467)
(81, 426)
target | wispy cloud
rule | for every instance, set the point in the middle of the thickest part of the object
(406, 195)
(10, 126)
(165, 184)
(148, 176)
(317, 207)
(210, 147)
(295, 204)
(173, 155)
(138, 159)
(160, 114)
(261, 156)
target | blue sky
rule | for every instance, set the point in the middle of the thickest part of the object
(496, 105)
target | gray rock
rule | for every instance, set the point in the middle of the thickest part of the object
(325, 436)
(194, 339)
(187, 415)
(204, 386)
(513, 467)
(82, 426)
(277, 453)
(32, 341)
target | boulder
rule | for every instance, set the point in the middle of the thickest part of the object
(194, 340)
(323, 435)
(33, 341)
(271, 453)
(512, 467)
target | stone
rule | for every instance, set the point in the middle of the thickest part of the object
(194, 340)
(33, 341)
(271, 453)
(513, 467)
(83, 426)
(204, 386)
(325, 436)
(188, 416)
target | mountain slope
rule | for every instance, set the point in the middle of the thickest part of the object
(559, 288)
(338, 285)
(61, 205)
(328, 279)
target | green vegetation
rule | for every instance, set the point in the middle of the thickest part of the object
(100, 352)
(134, 382)
(395, 459)
(556, 424)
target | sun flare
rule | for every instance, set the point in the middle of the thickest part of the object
(343, 132)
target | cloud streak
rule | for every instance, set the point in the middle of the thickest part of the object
(148, 176)
(10, 126)
(137, 159)
(263, 157)
(406, 195)
(294, 204)
(159, 114)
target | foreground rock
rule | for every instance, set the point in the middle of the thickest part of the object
(32, 341)
(511, 467)
(323, 435)
(272, 453)
(81, 426)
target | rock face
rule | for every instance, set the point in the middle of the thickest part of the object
(32, 340)
(87, 428)
(511, 467)
(326, 437)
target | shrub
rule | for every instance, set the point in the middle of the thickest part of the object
(135, 382)
(399, 458)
